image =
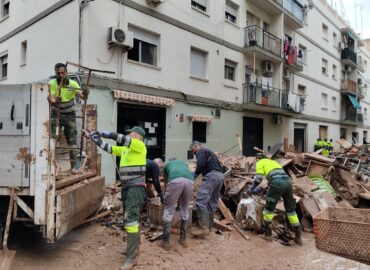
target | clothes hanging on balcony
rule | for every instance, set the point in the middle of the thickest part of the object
(354, 101)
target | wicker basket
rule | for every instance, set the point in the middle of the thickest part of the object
(344, 231)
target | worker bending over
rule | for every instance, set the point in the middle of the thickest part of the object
(179, 190)
(132, 175)
(152, 173)
(279, 185)
(209, 190)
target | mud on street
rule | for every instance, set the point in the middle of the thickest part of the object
(93, 247)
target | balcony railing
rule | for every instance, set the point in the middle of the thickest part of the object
(353, 116)
(292, 55)
(294, 8)
(262, 94)
(349, 54)
(348, 85)
(256, 36)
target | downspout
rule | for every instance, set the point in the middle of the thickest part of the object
(80, 4)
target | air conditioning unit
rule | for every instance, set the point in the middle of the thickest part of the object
(154, 2)
(267, 67)
(121, 38)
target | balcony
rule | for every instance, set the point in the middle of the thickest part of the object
(264, 44)
(352, 117)
(271, 7)
(262, 95)
(348, 87)
(349, 57)
(293, 59)
(293, 14)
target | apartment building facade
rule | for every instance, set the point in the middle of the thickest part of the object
(199, 69)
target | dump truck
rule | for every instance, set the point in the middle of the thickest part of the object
(35, 185)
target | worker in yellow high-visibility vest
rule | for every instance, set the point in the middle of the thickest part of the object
(132, 169)
(279, 185)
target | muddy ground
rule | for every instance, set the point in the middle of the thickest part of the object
(93, 247)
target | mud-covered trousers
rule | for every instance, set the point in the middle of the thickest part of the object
(209, 191)
(179, 192)
(280, 187)
(133, 199)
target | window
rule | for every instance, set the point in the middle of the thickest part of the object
(4, 65)
(23, 52)
(145, 47)
(365, 113)
(365, 65)
(200, 132)
(301, 90)
(343, 133)
(324, 67)
(325, 31)
(230, 70)
(334, 104)
(252, 20)
(334, 72)
(335, 39)
(5, 8)
(199, 4)
(231, 12)
(323, 132)
(198, 61)
(303, 53)
(324, 101)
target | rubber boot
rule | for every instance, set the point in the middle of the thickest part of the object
(166, 236)
(298, 235)
(211, 220)
(182, 240)
(132, 250)
(202, 230)
(268, 231)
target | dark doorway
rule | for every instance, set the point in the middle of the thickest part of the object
(152, 119)
(299, 134)
(252, 135)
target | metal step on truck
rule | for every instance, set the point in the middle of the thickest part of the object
(35, 184)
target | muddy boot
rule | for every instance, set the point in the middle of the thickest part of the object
(268, 231)
(182, 240)
(202, 230)
(211, 221)
(132, 250)
(298, 235)
(166, 236)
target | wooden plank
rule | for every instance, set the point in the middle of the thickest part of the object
(70, 180)
(240, 232)
(237, 188)
(319, 158)
(317, 168)
(220, 226)
(7, 259)
(224, 210)
(284, 161)
(98, 216)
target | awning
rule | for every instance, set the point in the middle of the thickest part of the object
(200, 118)
(354, 101)
(119, 94)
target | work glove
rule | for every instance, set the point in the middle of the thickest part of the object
(105, 134)
(161, 196)
(251, 189)
(257, 190)
(95, 137)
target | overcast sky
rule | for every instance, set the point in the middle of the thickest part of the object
(349, 6)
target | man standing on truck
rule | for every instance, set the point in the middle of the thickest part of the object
(209, 190)
(62, 92)
(132, 169)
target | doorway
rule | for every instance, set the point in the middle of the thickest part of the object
(300, 137)
(152, 119)
(252, 135)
